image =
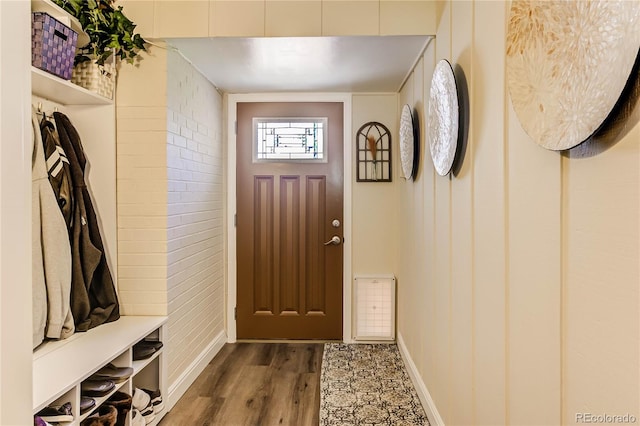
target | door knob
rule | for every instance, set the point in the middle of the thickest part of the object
(335, 240)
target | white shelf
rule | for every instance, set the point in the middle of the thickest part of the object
(64, 92)
(61, 15)
(60, 365)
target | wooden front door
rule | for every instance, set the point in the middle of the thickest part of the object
(288, 210)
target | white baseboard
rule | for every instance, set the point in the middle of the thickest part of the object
(423, 393)
(186, 379)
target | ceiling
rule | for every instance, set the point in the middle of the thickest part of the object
(304, 64)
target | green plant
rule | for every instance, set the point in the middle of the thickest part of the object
(110, 31)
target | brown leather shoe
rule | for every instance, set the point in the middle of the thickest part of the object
(105, 416)
(122, 402)
(111, 372)
(96, 387)
(145, 348)
(86, 404)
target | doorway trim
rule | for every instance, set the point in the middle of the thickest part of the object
(232, 101)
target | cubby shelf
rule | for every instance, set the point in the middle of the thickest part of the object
(56, 89)
(59, 367)
(66, 363)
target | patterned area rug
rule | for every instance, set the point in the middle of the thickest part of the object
(367, 385)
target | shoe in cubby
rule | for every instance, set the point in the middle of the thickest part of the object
(37, 421)
(122, 402)
(56, 414)
(106, 415)
(111, 372)
(156, 399)
(142, 402)
(86, 403)
(136, 418)
(97, 387)
(145, 348)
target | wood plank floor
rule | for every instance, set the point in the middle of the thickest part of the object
(254, 384)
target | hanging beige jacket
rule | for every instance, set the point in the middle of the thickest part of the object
(51, 253)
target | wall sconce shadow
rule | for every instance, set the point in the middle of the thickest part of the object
(463, 119)
(416, 143)
(624, 116)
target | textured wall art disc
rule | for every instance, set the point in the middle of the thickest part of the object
(443, 117)
(406, 142)
(567, 64)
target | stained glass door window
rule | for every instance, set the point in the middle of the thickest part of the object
(290, 139)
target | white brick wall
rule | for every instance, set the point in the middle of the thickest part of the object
(195, 270)
(170, 202)
(142, 187)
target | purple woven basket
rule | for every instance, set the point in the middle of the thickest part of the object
(53, 45)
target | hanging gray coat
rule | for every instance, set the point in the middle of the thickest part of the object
(51, 254)
(58, 169)
(93, 296)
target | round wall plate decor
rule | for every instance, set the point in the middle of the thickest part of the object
(406, 142)
(443, 117)
(567, 65)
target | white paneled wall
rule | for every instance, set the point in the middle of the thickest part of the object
(195, 280)
(15, 215)
(276, 18)
(527, 310)
(462, 231)
(373, 236)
